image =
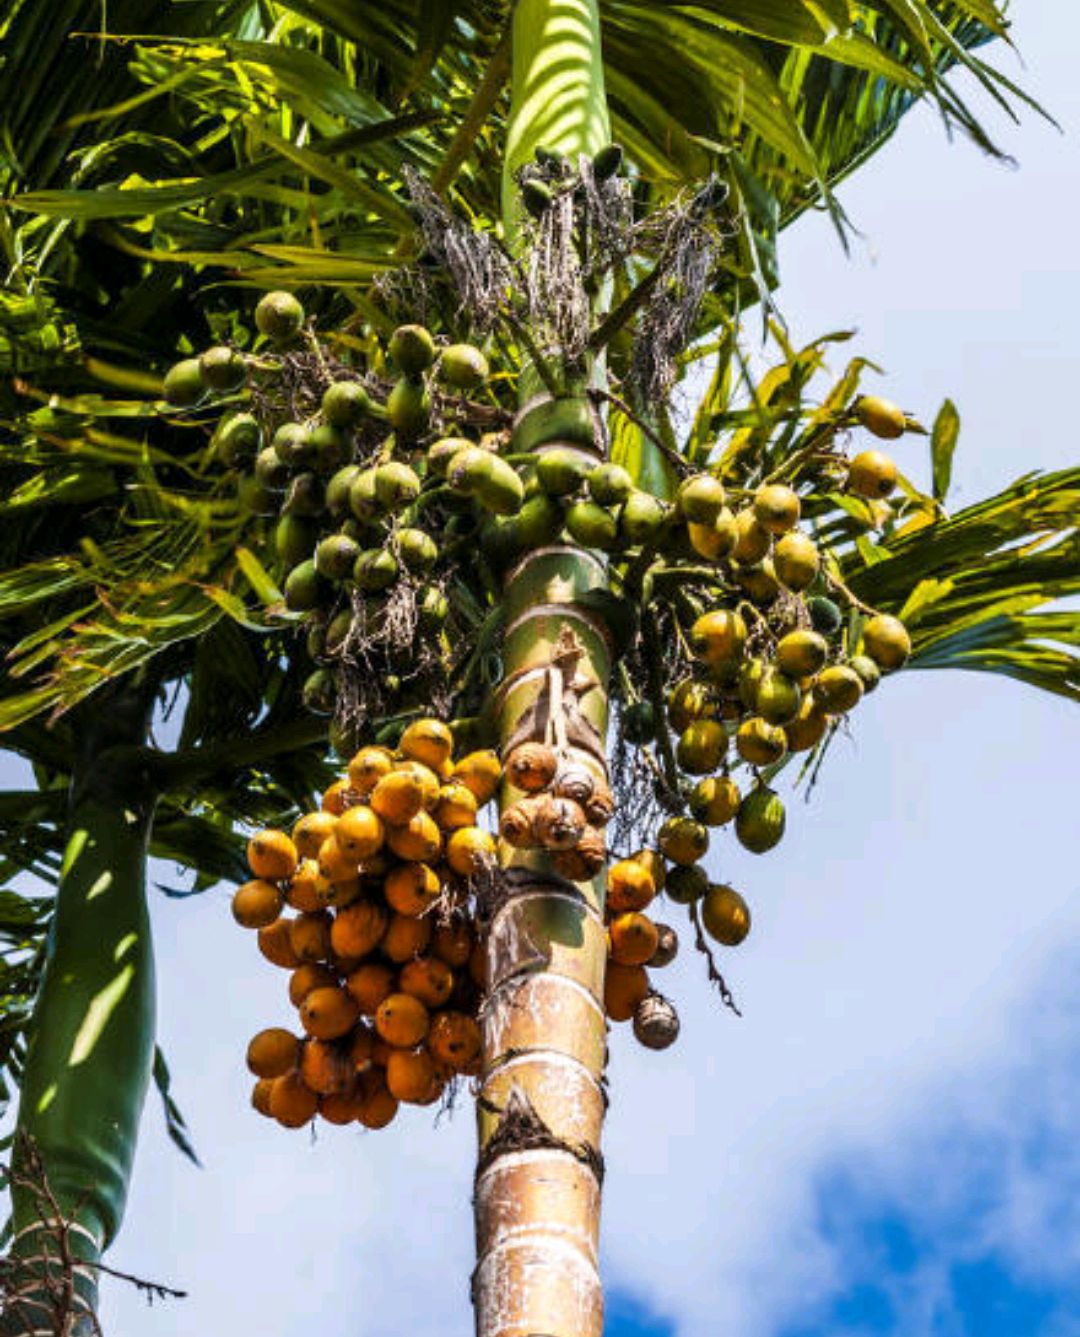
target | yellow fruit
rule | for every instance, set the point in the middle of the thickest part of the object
(456, 806)
(275, 945)
(453, 1040)
(725, 915)
(338, 797)
(759, 742)
(886, 641)
(272, 855)
(796, 560)
(480, 772)
(808, 727)
(402, 1020)
(427, 978)
(453, 943)
(418, 841)
(256, 904)
(683, 841)
(689, 701)
(633, 938)
(715, 800)
(776, 508)
(630, 886)
(334, 864)
(428, 741)
(309, 935)
(837, 689)
(411, 1077)
(309, 976)
(701, 747)
(398, 797)
(802, 653)
(872, 475)
(405, 938)
(358, 929)
(469, 851)
(881, 417)
(303, 888)
(411, 888)
(718, 636)
(326, 1068)
(310, 831)
(359, 833)
(291, 1102)
(752, 539)
(368, 767)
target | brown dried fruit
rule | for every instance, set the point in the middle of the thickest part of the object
(532, 767)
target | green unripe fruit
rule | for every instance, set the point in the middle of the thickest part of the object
(271, 471)
(183, 385)
(748, 682)
(466, 469)
(686, 883)
(610, 484)
(838, 689)
(825, 615)
(463, 367)
(535, 196)
(561, 471)
(396, 486)
(778, 697)
(441, 452)
(539, 522)
(433, 608)
(223, 370)
(867, 670)
(303, 588)
(408, 407)
(362, 499)
(639, 722)
(801, 654)
(687, 702)
(411, 349)
(641, 517)
(498, 488)
(700, 499)
(315, 643)
(330, 448)
(592, 526)
(701, 747)
(500, 539)
(337, 631)
(305, 496)
(796, 561)
(319, 692)
(418, 551)
(335, 556)
(607, 162)
(337, 490)
(237, 440)
(777, 507)
(375, 569)
(292, 441)
(279, 316)
(254, 498)
(294, 540)
(345, 404)
(759, 824)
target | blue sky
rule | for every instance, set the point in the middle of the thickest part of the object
(886, 1143)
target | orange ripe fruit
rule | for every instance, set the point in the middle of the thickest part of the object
(273, 1052)
(428, 780)
(410, 888)
(624, 988)
(453, 1040)
(428, 741)
(456, 806)
(326, 1068)
(359, 833)
(358, 929)
(633, 939)
(276, 946)
(334, 864)
(338, 797)
(402, 1020)
(478, 965)
(342, 1107)
(340, 892)
(398, 797)
(380, 1052)
(260, 1095)
(307, 977)
(405, 938)
(272, 855)
(427, 978)
(481, 772)
(309, 935)
(256, 904)
(453, 943)
(630, 886)
(469, 850)
(369, 985)
(328, 1013)
(291, 1102)
(311, 830)
(368, 767)
(419, 840)
(361, 1048)
(377, 1105)
(302, 891)
(411, 1077)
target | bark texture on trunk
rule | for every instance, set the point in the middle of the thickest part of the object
(92, 1041)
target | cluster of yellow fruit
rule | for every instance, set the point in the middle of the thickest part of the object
(386, 965)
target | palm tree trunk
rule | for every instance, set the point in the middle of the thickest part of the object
(541, 1105)
(91, 1050)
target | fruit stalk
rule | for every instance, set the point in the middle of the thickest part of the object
(541, 1105)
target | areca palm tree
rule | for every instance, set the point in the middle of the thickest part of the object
(777, 102)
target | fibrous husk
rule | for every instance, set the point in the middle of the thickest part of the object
(517, 825)
(575, 782)
(585, 860)
(600, 805)
(532, 767)
(656, 1023)
(560, 823)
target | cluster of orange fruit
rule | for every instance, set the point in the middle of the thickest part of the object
(386, 965)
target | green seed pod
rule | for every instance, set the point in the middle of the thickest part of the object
(760, 821)
(337, 491)
(408, 407)
(607, 162)
(294, 540)
(498, 488)
(610, 484)
(345, 404)
(463, 367)
(375, 569)
(279, 316)
(183, 385)
(335, 556)
(305, 496)
(292, 441)
(319, 692)
(363, 502)
(639, 722)
(396, 486)
(641, 517)
(315, 642)
(592, 526)
(330, 448)
(303, 588)
(441, 452)
(825, 615)
(466, 469)
(237, 440)
(411, 349)
(418, 551)
(223, 370)
(271, 471)
(561, 471)
(700, 499)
